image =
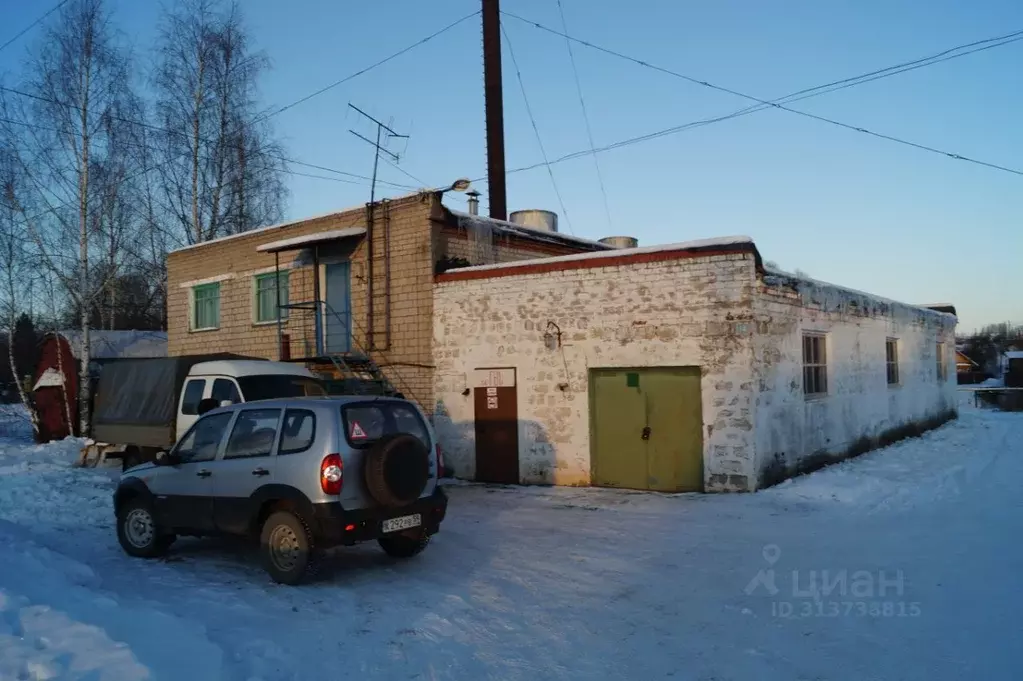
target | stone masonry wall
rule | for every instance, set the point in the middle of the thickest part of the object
(682, 311)
(797, 432)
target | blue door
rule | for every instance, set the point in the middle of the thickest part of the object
(337, 315)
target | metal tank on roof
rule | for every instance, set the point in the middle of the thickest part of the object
(543, 220)
(621, 241)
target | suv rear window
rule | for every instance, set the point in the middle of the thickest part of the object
(365, 424)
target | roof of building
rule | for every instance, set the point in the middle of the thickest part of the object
(962, 354)
(598, 259)
(470, 221)
(771, 272)
(298, 242)
(941, 307)
(119, 344)
(289, 223)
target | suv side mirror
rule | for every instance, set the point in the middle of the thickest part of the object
(165, 459)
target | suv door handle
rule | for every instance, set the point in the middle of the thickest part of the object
(261, 471)
(203, 473)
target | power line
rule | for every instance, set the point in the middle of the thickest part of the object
(536, 130)
(586, 117)
(169, 131)
(33, 24)
(137, 145)
(288, 106)
(765, 104)
(406, 173)
(383, 61)
(809, 92)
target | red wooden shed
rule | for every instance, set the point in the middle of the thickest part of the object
(55, 391)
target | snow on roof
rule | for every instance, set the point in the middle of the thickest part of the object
(1014, 354)
(119, 344)
(465, 219)
(816, 282)
(297, 242)
(617, 252)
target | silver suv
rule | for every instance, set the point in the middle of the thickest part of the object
(299, 474)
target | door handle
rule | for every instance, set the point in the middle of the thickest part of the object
(646, 433)
(204, 473)
(261, 471)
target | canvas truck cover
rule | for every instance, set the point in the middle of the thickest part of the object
(136, 401)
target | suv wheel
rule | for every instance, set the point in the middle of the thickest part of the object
(287, 546)
(401, 546)
(138, 532)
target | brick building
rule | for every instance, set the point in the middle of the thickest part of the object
(353, 285)
(679, 368)
(548, 359)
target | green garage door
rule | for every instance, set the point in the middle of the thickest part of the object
(646, 429)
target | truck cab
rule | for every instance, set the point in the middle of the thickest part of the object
(143, 406)
(209, 385)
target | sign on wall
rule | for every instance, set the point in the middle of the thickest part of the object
(493, 378)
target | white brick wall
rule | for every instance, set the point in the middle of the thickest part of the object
(860, 409)
(688, 312)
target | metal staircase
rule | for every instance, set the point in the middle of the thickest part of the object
(344, 373)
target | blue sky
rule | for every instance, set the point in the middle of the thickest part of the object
(840, 205)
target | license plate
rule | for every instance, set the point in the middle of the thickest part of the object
(402, 523)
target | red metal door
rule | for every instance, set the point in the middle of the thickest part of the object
(497, 433)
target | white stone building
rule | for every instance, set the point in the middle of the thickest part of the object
(682, 367)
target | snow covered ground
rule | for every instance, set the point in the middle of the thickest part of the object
(914, 552)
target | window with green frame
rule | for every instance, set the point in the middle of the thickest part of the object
(206, 307)
(266, 296)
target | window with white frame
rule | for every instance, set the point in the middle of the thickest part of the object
(940, 356)
(815, 364)
(891, 351)
(266, 302)
(206, 307)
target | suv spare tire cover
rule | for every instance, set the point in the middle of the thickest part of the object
(397, 469)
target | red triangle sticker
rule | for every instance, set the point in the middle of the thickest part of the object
(357, 432)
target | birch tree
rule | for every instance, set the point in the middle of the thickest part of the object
(220, 169)
(16, 270)
(78, 85)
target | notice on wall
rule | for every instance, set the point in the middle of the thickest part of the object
(493, 378)
(491, 392)
(491, 403)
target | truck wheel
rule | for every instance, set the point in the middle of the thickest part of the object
(137, 531)
(401, 546)
(130, 458)
(288, 548)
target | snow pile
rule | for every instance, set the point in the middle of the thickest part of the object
(912, 473)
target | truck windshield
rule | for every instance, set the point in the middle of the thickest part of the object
(274, 386)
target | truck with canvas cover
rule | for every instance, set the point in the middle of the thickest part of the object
(144, 405)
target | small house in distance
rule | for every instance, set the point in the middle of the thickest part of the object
(55, 387)
(1012, 364)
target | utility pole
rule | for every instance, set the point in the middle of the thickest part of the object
(493, 95)
(378, 148)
